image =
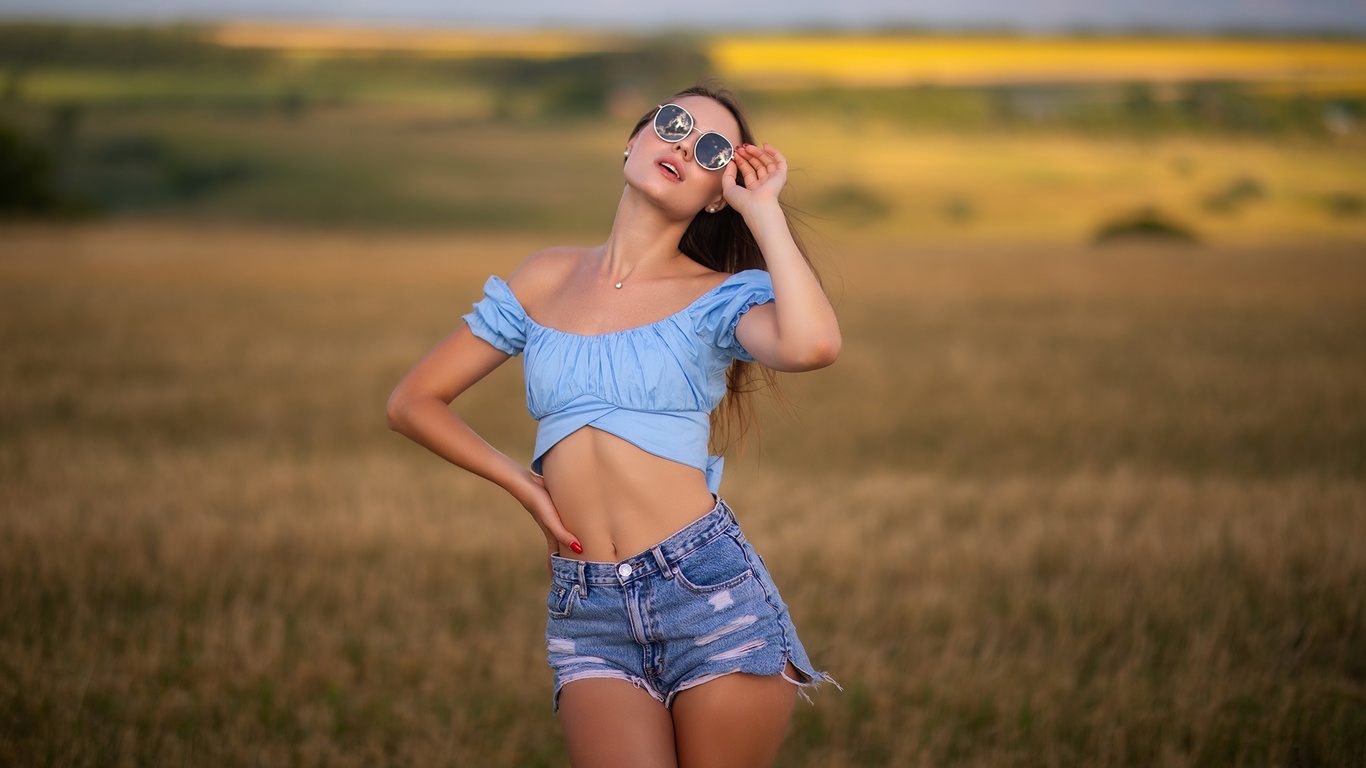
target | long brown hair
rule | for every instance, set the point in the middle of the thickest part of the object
(722, 241)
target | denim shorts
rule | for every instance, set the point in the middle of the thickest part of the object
(695, 607)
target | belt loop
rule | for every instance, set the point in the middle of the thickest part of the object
(662, 563)
(583, 579)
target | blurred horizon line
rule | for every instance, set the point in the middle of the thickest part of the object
(1343, 29)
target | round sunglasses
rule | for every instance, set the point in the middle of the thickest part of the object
(674, 124)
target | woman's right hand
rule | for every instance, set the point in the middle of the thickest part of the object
(536, 499)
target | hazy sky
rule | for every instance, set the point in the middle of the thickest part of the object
(1341, 15)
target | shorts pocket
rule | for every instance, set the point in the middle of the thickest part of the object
(561, 599)
(719, 564)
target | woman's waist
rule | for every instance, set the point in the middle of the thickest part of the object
(619, 500)
(653, 558)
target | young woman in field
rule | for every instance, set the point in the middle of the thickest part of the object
(669, 642)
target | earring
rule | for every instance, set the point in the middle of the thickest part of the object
(626, 152)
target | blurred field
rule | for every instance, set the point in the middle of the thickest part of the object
(761, 59)
(1054, 505)
(324, 40)
(896, 137)
(1058, 503)
(449, 165)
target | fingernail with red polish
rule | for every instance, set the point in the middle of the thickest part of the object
(577, 547)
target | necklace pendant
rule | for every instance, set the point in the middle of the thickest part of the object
(618, 285)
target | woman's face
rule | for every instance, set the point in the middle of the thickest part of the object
(667, 173)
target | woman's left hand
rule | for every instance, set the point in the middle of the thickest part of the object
(764, 170)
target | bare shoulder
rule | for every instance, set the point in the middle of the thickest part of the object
(543, 270)
(705, 279)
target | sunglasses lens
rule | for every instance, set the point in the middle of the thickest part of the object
(713, 151)
(673, 123)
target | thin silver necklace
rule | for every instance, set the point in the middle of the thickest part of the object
(625, 277)
(618, 283)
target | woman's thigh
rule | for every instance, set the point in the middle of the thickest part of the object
(736, 720)
(610, 722)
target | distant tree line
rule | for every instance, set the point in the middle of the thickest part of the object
(24, 46)
(577, 84)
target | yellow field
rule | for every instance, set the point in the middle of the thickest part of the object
(1053, 505)
(770, 60)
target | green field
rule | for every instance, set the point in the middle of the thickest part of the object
(1058, 503)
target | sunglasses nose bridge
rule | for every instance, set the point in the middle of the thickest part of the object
(683, 145)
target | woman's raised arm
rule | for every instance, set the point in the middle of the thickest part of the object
(799, 330)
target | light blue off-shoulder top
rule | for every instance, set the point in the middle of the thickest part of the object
(654, 385)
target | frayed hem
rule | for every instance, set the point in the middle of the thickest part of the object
(812, 683)
(603, 674)
(814, 680)
(696, 681)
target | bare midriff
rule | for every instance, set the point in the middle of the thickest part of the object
(617, 499)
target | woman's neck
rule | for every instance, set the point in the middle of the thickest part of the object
(643, 237)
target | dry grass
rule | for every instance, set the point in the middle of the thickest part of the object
(1053, 507)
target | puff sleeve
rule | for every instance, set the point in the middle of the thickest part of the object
(498, 318)
(722, 309)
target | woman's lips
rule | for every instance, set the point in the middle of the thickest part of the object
(670, 169)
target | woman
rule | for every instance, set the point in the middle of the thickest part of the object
(669, 642)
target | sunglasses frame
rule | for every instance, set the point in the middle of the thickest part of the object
(692, 126)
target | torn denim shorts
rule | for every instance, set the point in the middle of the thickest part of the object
(695, 607)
